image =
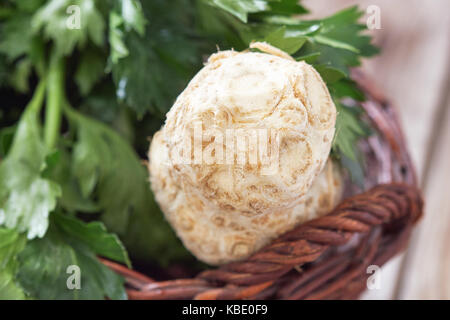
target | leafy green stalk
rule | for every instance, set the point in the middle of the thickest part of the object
(55, 96)
(26, 198)
(37, 100)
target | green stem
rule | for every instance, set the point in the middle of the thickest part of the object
(35, 103)
(55, 98)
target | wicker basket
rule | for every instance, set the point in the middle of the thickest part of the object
(326, 258)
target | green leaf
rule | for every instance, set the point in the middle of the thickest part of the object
(95, 236)
(354, 168)
(129, 17)
(102, 105)
(349, 130)
(121, 186)
(6, 139)
(71, 198)
(11, 243)
(346, 88)
(116, 34)
(28, 6)
(133, 16)
(241, 8)
(15, 36)
(309, 58)
(287, 7)
(281, 40)
(54, 19)
(153, 70)
(20, 76)
(26, 199)
(335, 43)
(90, 70)
(44, 263)
(340, 41)
(329, 74)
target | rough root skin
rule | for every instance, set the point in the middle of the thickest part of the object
(225, 212)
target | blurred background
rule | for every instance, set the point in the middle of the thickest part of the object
(413, 71)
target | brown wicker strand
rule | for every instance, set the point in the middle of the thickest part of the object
(302, 245)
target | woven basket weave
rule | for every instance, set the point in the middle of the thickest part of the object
(326, 258)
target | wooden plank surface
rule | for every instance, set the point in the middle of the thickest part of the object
(426, 269)
(412, 70)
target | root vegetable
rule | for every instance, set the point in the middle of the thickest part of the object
(225, 209)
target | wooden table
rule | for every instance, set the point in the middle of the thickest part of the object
(413, 71)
